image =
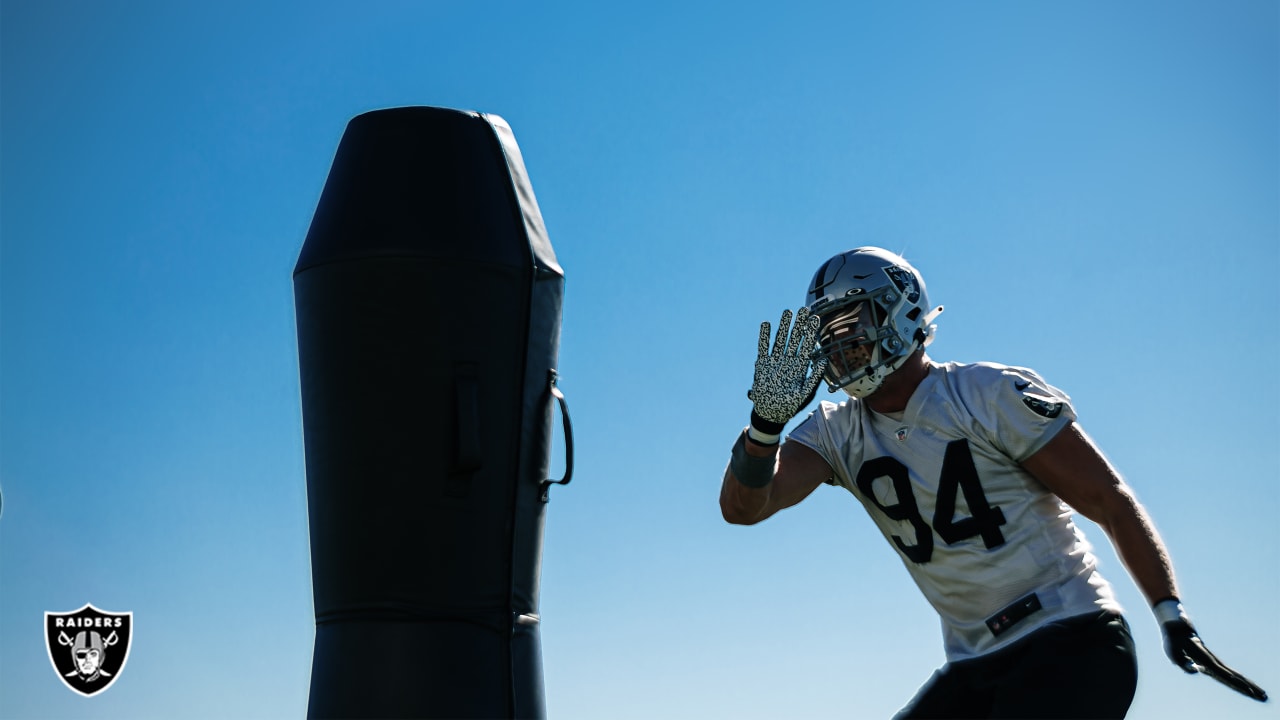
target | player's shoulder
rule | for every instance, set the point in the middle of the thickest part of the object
(838, 418)
(998, 394)
(983, 377)
(982, 387)
(829, 410)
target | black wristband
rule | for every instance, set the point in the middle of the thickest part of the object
(768, 427)
(752, 471)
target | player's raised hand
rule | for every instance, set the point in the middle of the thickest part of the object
(1185, 648)
(786, 378)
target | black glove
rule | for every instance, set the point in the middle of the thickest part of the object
(1185, 648)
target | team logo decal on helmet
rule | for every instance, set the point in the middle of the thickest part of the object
(88, 647)
(906, 283)
(875, 314)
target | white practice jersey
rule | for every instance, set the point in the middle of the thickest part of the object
(994, 552)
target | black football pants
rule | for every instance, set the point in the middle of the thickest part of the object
(1082, 667)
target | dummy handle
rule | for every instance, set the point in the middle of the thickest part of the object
(568, 436)
(467, 455)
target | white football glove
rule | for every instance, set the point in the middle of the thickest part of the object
(784, 381)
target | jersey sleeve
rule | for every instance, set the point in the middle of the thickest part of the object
(1021, 412)
(828, 431)
(809, 434)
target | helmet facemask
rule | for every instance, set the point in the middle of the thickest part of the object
(874, 315)
(862, 343)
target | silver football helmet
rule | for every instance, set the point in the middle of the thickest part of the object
(874, 313)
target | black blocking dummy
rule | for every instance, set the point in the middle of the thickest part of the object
(428, 305)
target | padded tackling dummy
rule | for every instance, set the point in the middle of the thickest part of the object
(428, 302)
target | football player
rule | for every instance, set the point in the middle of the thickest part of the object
(971, 472)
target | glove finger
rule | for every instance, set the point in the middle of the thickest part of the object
(807, 332)
(796, 343)
(762, 349)
(819, 369)
(1210, 665)
(811, 387)
(784, 329)
(799, 354)
(1235, 681)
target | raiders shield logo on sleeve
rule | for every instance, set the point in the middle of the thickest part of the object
(88, 647)
(1042, 406)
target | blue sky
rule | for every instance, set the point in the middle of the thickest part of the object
(1092, 189)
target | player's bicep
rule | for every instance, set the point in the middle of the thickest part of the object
(1074, 469)
(800, 471)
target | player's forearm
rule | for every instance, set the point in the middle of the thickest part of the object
(743, 504)
(1140, 548)
(740, 504)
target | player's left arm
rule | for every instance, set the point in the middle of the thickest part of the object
(1072, 467)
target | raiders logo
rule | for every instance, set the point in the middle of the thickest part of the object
(88, 647)
(1043, 407)
(906, 283)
